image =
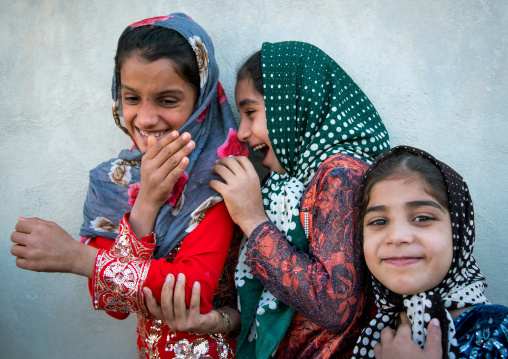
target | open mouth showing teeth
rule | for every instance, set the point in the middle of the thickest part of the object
(259, 147)
(156, 134)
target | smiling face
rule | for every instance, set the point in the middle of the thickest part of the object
(155, 99)
(253, 129)
(407, 236)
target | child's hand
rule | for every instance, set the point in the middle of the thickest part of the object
(174, 312)
(241, 192)
(161, 166)
(398, 344)
(43, 246)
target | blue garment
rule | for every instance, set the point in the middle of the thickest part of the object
(482, 332)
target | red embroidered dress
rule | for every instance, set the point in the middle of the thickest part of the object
(332, 274)
(124, 266)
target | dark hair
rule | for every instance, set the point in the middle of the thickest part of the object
(252, 69)
(153, 43)
(406, 165)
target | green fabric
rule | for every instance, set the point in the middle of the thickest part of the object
(314, 110)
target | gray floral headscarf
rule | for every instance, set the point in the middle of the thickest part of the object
(114, 184)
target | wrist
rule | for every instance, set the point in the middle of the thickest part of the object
(142, 218)
(250, 224)
(82, 261)
(226, 322)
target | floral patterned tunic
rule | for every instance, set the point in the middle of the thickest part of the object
(327, 287)
(125, 266)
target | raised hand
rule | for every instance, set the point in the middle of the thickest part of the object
(241, 192)
(399, 344)
(43, 246)
(161, 166)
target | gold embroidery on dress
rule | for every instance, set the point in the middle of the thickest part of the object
(119, 285)
(149, 339)
(126, 245)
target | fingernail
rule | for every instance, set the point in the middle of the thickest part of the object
(434, 322)
(190, 144)
(186, 136)
(231, 156)
(169, 278)
(180, 276)
(174, 134)
(196, 285)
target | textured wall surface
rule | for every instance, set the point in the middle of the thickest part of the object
(435, 70)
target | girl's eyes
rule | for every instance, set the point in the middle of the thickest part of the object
(377, 222)
(168, 101)
(163, 102)
(423, 218)
(249, 112)
(419, 219)
(130, 99)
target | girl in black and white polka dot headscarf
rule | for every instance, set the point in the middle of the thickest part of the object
(462, 286)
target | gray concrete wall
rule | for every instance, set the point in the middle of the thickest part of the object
(435, 70)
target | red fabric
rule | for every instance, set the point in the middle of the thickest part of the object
(327, 286)
(201, 258)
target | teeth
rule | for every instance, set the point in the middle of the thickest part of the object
(258, 147)
(156, 134)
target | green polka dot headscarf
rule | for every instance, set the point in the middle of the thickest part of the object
(313, 111)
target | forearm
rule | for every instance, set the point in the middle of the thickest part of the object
(300, 280)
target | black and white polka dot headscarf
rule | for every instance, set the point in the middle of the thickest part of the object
(463, 285)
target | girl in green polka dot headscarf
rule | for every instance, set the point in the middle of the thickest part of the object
(300, 276)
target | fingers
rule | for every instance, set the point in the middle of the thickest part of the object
(403, 318)
(152, 140)
(405, 328)
(25, 225)
(152, 305)
(378, 350)
(167, 298)
(433, 347)
(195, 302)
(179, 299)
(235, 165)
(171, 154)
(387, 335)
(155, 147)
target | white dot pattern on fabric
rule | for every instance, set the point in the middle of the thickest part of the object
(305, 93)
(463, 286)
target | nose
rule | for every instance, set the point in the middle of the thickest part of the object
(147, 115)
(243, 130)
(399, 234)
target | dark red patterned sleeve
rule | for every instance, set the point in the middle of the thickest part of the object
(325, 284)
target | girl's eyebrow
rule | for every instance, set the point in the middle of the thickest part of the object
(414, 204)
(375, 209)
(171, 91)
(247, 101)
